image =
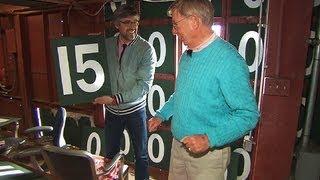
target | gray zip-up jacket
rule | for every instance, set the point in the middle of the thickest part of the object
(132, 76)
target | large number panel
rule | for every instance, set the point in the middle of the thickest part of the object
(158, 95)
(148, 9)
(163, 41)
(81, 69)
(217, 5)
(159, 145)
(247, 7)
(245, 38)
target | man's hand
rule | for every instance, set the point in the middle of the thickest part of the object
(196, 143)
(107, 100)
(153, 124)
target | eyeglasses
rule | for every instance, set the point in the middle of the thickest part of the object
(175, 24)
(128, 22)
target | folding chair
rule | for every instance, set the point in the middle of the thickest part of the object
(65, 164)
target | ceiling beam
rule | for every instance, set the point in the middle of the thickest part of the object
(24, 5)
(7, 9)
(69, 2)
(62, 2)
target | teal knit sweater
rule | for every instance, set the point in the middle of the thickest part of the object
(213, 96)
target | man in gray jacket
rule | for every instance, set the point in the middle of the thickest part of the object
(131, 61)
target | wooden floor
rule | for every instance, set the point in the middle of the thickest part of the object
(155, 174)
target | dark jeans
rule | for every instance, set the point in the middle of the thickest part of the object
(137, 129)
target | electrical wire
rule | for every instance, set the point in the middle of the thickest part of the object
(75, 3)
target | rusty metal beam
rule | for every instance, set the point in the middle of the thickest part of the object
(24, 80)
(288, 28)
(8, 9)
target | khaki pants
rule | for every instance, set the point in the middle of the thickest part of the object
(186, 166)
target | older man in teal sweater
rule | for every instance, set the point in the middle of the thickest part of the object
(213, 103)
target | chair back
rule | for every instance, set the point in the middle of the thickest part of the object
(66, 164)
(58, 128)
(37, 121)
